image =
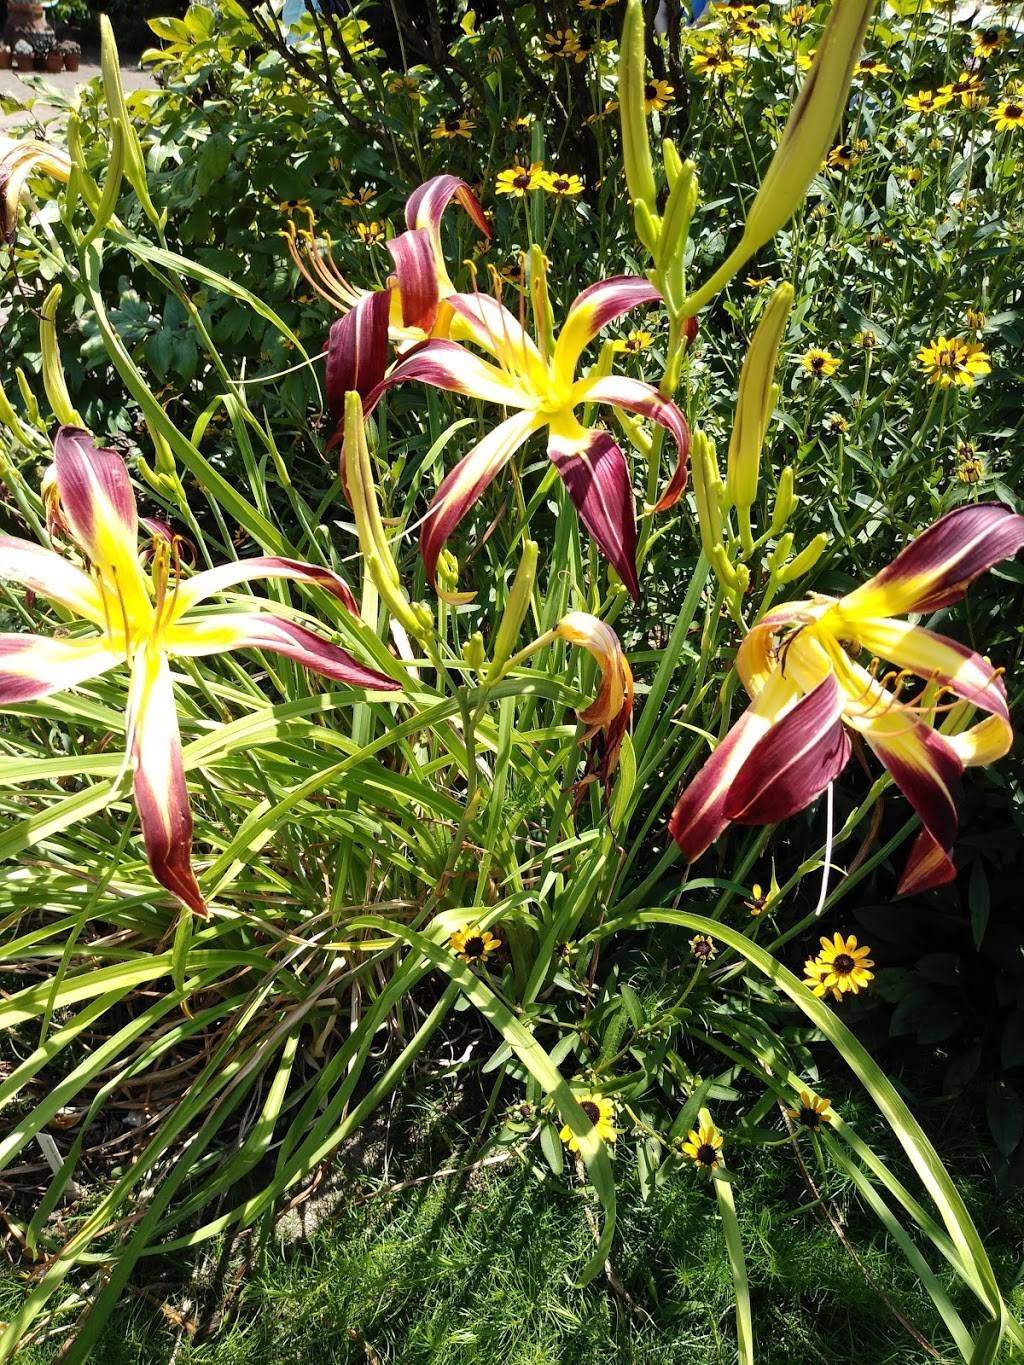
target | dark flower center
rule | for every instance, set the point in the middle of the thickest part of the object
(810, 1118)
(990, 36)
(522, 180)
(817, 362)
(650, 91)
(474, 946)
(592, 1111)
(1013, 111)
(560, 185)
(843, 964)
(451, 125)
(707, 1154)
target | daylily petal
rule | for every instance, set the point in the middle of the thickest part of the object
(357, 350)
(595, 472)
(426, 205)
(986, 742)
(923, 763)
(756, 658)
(467, 481)
(191, 591)
(794, 762)
(487, 322)
(446, 365)
(699, 816)
(928, 865)
(51, 575)
(645, 401)
(935, 657)
(20, 160)
(33, 666)
(98, 507)
(607, 717)
(417, 277)
(161, 795)
(593, 309)
(937, 567)
(262, 630)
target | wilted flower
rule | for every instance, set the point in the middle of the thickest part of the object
(20, 160)
(371, 233)
(703, 948)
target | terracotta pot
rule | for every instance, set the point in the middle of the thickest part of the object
(55, 62)
(23, 61)
(71, 61)
(6, 60)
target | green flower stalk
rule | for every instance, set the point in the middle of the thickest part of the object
(805, 140)
(754, 405)
(376, 551)
(516, 607)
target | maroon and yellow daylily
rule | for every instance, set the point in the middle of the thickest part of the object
(801, 665)
(145, 614)
(409, 309)
(20, 160)
(543, 391)
(607, 717)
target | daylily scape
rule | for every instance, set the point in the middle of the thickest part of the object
(144, 619)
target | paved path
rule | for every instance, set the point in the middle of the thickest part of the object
(12, 83)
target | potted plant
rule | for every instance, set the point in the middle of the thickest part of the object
(24, 57)
(5, 57)
(43, 46)
(70, 53)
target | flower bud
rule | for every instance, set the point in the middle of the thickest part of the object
(709, 516)
(783, 549)
(636, 147)
(53, 371)
(517, 605)
(134, 164)
(754, 402)
(785, 500)
(473, 651)
(805, 560)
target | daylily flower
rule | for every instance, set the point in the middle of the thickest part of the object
(20, 159)
(801, 665)
(408, 310)
(543, 390)
(608, 715)
(142, 620)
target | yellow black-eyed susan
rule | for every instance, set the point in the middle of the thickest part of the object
(927, 101)
(354, 199)
(452, 127)
(558, 182)
(371, 233)
(657, 94)
(872, 66)
(987, 41)
(967, 87)
(841, 158)
(819, 363)
(703, 1146)
(703, 948)
(949, 361)
(601, 1112)
(811, 1112)
(470, 944)
(634, 343)
(518, 181)
(844, 964)
(1008, 115)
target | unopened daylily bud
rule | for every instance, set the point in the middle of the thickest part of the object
(516, 607)
(783, 549)
(134, 164)
(754, 403)
(675, 225)
(785, 500)
(53, 372)
(9, 419)
(543, 314)
(672, 161)
(473, 651)
(104, 210)
(709, 516)
(723, 567)
(805, 560)
(636, 147)
(373, 543)
(647, 224)
(806, 138)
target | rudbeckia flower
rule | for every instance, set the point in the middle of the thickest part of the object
(557, 182)
(927, 101)
(841, 158)
(872, 66)
(812, 1112)
(703, 1146)
(988, 41)
(801, 665)
(841, 967)
(967, 85)
(601, 1113)
(20, 160)
(518, 181)
(543, 391)
(408, 310)
(657, 94)
(1008, 115)
(473, 945)
(451, 127)
(820, 364)
(948, 361)
(142, 619)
